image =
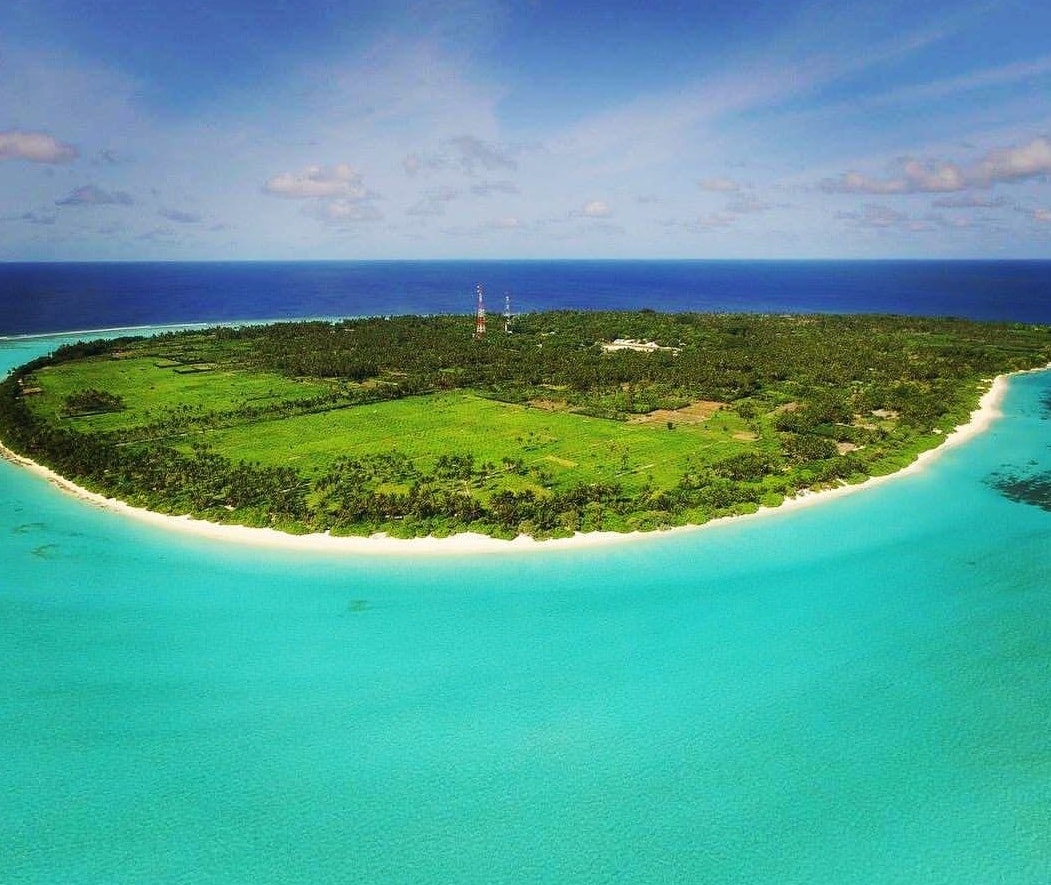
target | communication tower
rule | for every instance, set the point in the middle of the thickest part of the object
(479, 320)
(507, 313)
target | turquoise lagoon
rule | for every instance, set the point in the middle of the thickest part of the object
(856, 692)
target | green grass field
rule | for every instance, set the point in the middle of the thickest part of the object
(150, 386)
(568, 448)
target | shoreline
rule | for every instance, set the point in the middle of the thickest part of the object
(982, 417)
(154, 327)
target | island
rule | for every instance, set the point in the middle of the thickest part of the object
(551, 425)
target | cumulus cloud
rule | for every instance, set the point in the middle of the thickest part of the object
(336, 194)
(35, 147)
(596, 209)
(1001, 165)
(914, 177)
(1015, 163)
(341, 180)
(90, 195)
(719, 185)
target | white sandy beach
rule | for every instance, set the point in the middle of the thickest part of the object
(472, 543)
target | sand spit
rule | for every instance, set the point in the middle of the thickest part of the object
(473, 543)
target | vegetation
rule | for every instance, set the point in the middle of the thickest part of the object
(408, 425)
(91, 402)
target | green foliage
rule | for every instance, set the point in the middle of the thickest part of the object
(746, 467)
(408, 425)
(91, 401)
(802, 447)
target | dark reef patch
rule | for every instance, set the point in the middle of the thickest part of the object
(1033, 489)
(1045, 403)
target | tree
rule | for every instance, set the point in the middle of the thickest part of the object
(92, 402)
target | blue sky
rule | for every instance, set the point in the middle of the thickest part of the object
(266, 129)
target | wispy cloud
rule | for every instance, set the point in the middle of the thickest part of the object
(719, 185)
(90, 195)
(1012, 75)
(179, 216)
(969, 201)
(162, 234)
(342, 212)
(507, 222)
(873, 215)
(107, 157)
(828, 106)
(697, 118)
(711, 221)
(488, 188)
(882, 219)
(433, 202)
(749, 206)
(467, 154)
(475, 154)
(43, 218)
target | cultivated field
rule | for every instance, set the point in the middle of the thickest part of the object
(567, 448)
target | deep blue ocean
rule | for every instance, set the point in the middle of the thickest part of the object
(36, 298)
(853, 693)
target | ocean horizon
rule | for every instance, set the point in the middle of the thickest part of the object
(854, 692)
(54, 297)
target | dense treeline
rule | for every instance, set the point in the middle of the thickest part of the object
(825, 398)
(862, 362)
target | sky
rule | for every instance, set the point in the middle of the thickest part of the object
(327, 129)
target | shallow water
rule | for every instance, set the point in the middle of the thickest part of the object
(856, 692)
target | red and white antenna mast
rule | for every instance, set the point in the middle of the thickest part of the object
(479, 320)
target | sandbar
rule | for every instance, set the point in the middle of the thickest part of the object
(981, 418)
